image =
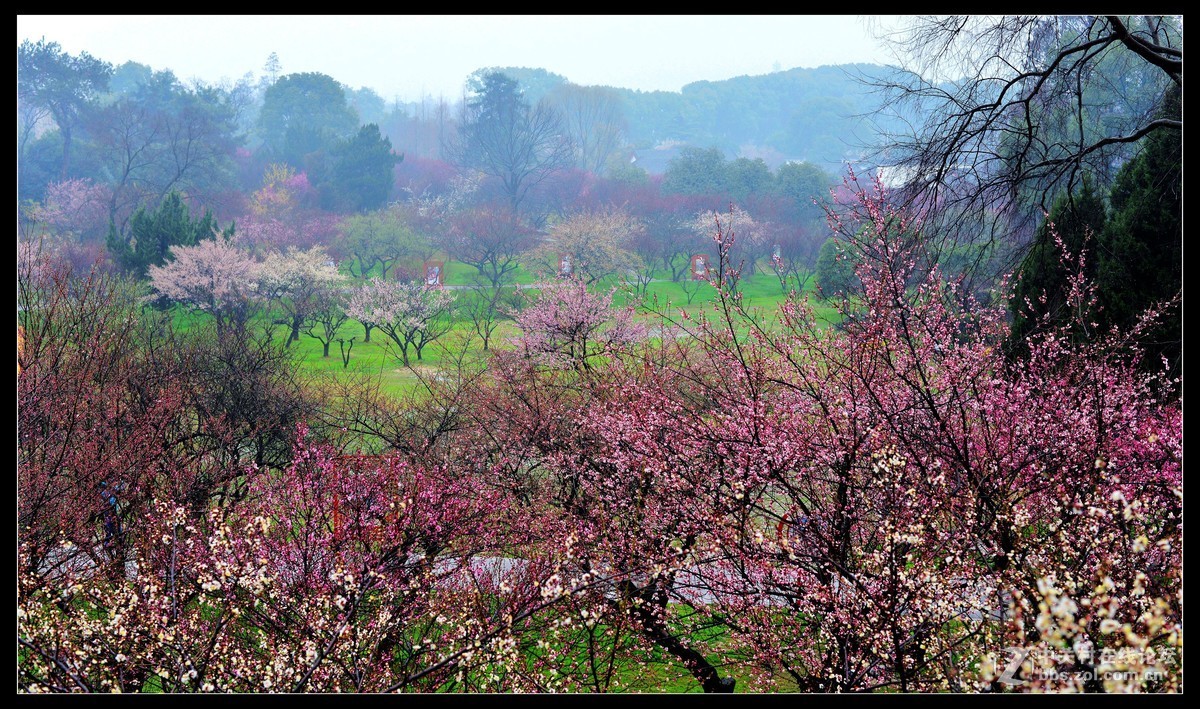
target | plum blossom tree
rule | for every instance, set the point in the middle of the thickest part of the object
(283, 213)
(769, 503)
(75, 207)
(261, 234)
(411, 314)
(748, 240)
(213, 277)
(955, 477)
(342, 574)
(887, 504)
(568, 326)
(93, 419)
(598, 242)
(298, 281)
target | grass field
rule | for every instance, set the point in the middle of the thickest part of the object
(761, 292)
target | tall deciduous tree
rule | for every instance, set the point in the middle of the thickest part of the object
(594, 120)
(271, 68)
(506, 138)
(161, 136)
(67, 86)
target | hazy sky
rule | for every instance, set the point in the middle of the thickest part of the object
(407, 56)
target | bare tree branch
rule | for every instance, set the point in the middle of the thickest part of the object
(1002, 114)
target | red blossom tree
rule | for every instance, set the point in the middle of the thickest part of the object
(492, 239)
(885, 504)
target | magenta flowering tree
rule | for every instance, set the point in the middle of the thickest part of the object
(886, 504)
(758, 501)
(907, 490)
(538, 429)
(283, 214)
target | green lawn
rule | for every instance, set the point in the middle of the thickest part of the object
(761, 294)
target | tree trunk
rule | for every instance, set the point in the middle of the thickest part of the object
(66, 138)
(653, 628)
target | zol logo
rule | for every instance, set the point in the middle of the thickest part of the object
(1016, 658)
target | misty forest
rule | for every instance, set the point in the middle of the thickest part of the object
(856, 378)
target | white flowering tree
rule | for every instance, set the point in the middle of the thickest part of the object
(410, 314)
(299, 281)
(214, 277)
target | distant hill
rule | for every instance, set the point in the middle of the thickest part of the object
(825, 115)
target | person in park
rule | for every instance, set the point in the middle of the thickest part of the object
(111, 513)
